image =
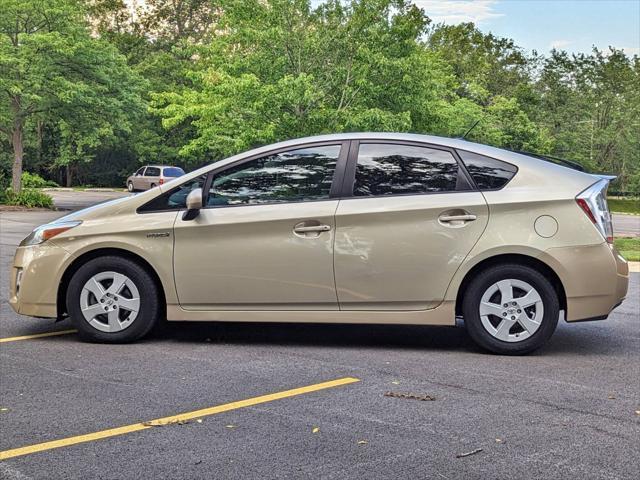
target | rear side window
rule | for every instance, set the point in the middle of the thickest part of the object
(488, 173)
(173, 172)
(387, 169)
(152, 172)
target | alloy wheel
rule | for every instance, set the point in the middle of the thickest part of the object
(511, 310)
(110, 301)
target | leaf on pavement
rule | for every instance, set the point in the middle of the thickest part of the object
(467, 454)
(411, 396)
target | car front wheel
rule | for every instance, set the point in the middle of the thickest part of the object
(510, 309)
(130, 187)
(113, 300)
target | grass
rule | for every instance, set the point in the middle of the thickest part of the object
(629, 248)
(624, 205)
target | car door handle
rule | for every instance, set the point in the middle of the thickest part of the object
(457, 218)
(312, 228)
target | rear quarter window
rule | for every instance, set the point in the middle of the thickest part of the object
(488, 173)
(173, 172)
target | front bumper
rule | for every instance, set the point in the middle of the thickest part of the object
(595, 279)
(42, 267)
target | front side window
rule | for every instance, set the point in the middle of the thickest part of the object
(140, 171)
(152, 172)
(174, 199)
(488, 173)
(386, 169)
(293, 176)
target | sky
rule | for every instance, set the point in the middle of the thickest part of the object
(572, 25)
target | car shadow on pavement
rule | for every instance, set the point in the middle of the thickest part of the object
(357, 336)
(569, 340)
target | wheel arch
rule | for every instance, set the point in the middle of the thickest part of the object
(102, 252)
(518, 259)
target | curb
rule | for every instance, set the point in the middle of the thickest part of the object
(96, 189)
(634, 267)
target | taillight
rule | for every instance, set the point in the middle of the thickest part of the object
(593, 201)
(585, 206)
(161, 181)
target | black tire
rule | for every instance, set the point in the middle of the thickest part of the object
(130, 187)
(148, 312)
(153, 185)
(481, 283)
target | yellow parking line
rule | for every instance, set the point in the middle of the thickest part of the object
(182, 417)
(37, 335)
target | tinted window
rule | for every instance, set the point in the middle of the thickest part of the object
(488, 173)
(152, 172)
(173, 172)
(174, 199)
(293, 176)
(403, 169)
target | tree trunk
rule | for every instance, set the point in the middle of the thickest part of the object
(69, 176)
(18, 149)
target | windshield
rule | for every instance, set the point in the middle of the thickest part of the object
(173, 172)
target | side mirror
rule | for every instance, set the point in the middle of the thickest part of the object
(194, 204)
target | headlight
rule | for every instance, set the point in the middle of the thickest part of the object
(45, 232)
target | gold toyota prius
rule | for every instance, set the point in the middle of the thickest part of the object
(351, 228)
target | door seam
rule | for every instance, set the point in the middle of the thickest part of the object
(333, 253)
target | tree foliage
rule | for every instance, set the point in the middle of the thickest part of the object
(53, 71)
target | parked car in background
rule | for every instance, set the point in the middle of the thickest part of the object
(151, 176)
(350, 228)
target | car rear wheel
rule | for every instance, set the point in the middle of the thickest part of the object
(510, 309)
(113, 300)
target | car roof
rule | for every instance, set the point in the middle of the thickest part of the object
(538, 169)
(518, 159)
(160, 166)
(457, 143)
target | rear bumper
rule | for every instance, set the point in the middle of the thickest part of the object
(595, 279)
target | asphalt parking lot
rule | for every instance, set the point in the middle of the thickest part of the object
(308, 401)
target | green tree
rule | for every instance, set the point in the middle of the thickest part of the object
(280, 69)
(53, 70)
(591, 104)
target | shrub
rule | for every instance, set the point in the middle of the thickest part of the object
(28, 197)
(4, 184)
(33, 180)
